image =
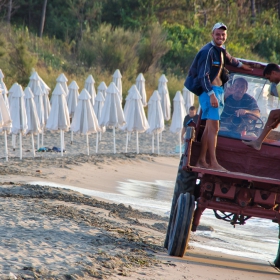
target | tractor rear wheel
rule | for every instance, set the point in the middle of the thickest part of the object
(181, 225)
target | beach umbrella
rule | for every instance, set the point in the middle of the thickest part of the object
(188, 97)
(72, 101)
(62, 80)
(33, 122)
(140, 84)
(112, 113)
(18, 114)
(102, 87)
(179, 113)
(98, 106)
(39, 104)
(165, 98)
(155, 118)
(59, 116)
(10, 91)
(4, 89)
(39, 87)
(89, 86)
(5, 121)
(136, 120)
(117, 79)
(84, 120)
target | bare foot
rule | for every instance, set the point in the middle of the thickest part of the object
(217, 166)
(202, 164)
(253, 144)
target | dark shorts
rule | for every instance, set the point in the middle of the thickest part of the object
(208, 111)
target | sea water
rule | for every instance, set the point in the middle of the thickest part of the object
(257, 239)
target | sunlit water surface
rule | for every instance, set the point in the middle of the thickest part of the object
(258, 239)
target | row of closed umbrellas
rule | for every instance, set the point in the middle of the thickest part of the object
(31, 112)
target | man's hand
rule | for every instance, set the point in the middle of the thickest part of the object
(241, 112)
(213, 101)
(246, 67)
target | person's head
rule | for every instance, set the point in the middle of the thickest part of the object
(240, 86)
(272, 72)
(219, 34)
(192, 111)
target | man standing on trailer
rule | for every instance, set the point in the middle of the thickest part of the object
(206, 79)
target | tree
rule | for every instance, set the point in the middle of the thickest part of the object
(43, 18)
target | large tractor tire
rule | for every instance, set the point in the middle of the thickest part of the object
(185, 183)
(181, 225)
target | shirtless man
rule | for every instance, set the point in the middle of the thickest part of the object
(272, 73)
(206, 70)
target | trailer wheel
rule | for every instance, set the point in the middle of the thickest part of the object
(181, 225)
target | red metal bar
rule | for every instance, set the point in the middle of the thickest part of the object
(255, 211)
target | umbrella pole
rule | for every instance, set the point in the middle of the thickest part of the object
(71, 137)
(61, 142)
(38, 141)
(100, 135)
(42, 135)
(6, 145)
(158, 143)
(153, 143)
(14, 141)
(20, 146)
(32, 142)
(114, 138)
(87, 144)
(137, 143)
(126, 143)
(96, 150)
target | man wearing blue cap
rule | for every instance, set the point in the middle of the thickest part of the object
(206, 79)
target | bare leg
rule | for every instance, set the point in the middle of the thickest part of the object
(272, 122)
(204, 145)
(212, 144)
(209, 142)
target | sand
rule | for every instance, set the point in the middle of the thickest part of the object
(51, 233)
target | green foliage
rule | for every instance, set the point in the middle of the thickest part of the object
(110, 49)
(152, 47)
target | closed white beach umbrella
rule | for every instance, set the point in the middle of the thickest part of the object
(179, 113)
(33, 122)
(188, 97)
(34, 81)
(18, 114)
(4, 89)
(84, 120)
(62, 80)
(117, 79)
(72, 98)
(41, 96)
(72, 101)
(136, 120)
(59, 116)
(112, 113)
(89, 86)
(98, 107)
(140, 84)
(155, 117)
(5, 122)
(102, 87)
(11, 91)
(165, 98)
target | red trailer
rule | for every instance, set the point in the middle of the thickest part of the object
(250, 187)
